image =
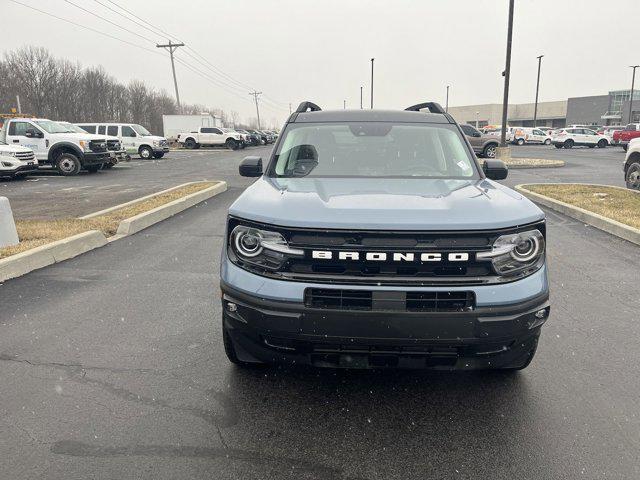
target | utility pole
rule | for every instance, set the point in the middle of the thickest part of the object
(633, 81)
(535, 109)
(507, 71)
(360, 97)
(172, 47)
(372, 82)
(446, 108)
(344, 104)
(255, 97)
(18, 102)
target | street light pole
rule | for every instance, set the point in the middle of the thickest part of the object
(361, 97)
(507, 71)
(477, 119)
(535, 109)
(633, 81)
(344, 104)
(446, 107)
(372, 82)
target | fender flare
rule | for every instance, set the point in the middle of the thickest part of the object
(190, 137)
(66, 146)
(633, 158)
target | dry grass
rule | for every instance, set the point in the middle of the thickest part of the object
(532, 162)
(614, 203)
(34, 233)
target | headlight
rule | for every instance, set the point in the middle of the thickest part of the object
(84, 144)
(260, 248)
(156, 143)
(517, 253)
(8, 154)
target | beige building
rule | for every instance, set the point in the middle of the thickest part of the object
(550, 114)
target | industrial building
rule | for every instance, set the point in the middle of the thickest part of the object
(610, 109)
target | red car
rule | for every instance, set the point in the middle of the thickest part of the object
(623, 137)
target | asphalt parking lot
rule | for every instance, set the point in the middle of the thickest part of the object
(112, 366)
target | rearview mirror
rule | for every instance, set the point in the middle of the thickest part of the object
(251, 167)
(495, 169)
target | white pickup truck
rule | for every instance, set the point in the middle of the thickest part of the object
(212, 136)
(53, 144)
(16, 161)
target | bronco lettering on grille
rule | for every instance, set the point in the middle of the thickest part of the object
(394, 257)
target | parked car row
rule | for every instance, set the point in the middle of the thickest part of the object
(27, 144)
(230, 138)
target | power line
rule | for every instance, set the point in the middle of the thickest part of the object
(86, 28)
(109, 21)
(140, 24)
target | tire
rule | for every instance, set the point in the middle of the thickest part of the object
(568, 143)
(547, 141)
(190, 143)
(68, 164)
(558, 145)
(520, 141)
(602, 143)
(489, 151)
(158, 155)
(591, 146)
(231, 144)
(632, 176)
(145, 152)
(94, 168)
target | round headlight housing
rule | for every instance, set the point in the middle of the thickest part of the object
(247, 242)
(258, 247)
(516, 254)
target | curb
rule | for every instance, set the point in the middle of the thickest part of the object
(613, 227)
(60, 250)
(45, 255)
(146, 219)
(524, 167)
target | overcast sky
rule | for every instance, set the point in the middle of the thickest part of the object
(294, 50)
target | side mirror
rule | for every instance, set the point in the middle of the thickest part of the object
(31, 133)
(251, 167)
(477, 134)
(495, 169)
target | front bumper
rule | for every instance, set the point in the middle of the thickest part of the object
(161, 149)
(95, 158)
(268, 321)
(19, 171)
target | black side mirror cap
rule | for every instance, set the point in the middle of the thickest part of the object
(251, 167)
(495, 169)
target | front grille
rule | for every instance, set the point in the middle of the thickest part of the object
(163, 143)
(98, 145)
(342, 299)
(113, 145)
(25, 156)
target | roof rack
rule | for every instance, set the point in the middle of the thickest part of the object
(432, 106)
(307, 106)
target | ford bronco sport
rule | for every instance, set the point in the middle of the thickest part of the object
(373, 238)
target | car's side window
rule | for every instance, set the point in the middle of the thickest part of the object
(208, 130)
(88, 128)
(216, 130)
(101, 129)
(127, 131)
(112, 130)
(467, 129)
(19, 128)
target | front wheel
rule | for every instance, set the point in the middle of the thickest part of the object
(632, 177)
(489, 151)
(547, 141)
(231, 144)
(520, 141)
(568, 144)
(190, 143)
(68, 164)
(158, 155)
(145, 153)
(558, 145)
(602, 143)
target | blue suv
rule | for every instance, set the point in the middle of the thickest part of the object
(374, 238)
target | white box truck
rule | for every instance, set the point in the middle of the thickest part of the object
(175, 124)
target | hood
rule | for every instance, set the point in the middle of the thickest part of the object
(383, 203)
(14, 148)
(155, 137)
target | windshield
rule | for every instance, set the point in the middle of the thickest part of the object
(140, 130)
(373, 149)
(51, 127)
(72, 128)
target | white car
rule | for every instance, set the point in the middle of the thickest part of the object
(570, 137)
(16, 161)
(212, 136)
(136, 139)
(116, 150)
(534, 135)
(631, 165)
